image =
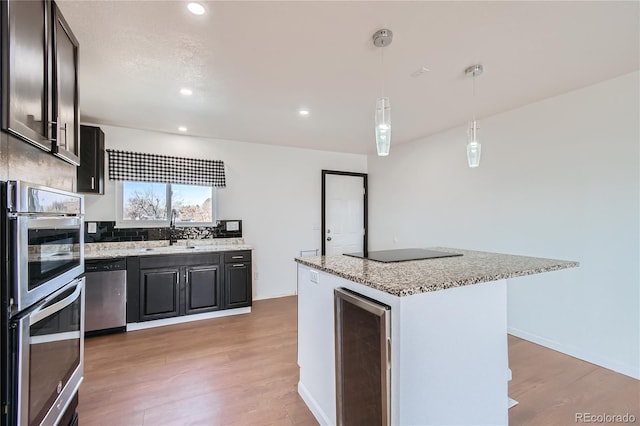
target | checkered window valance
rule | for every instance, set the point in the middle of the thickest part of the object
(137, 166)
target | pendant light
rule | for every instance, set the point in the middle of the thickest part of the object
(473, 145)
(382, 38)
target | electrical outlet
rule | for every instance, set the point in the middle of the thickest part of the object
(92, 227)
(314, 276)
(255, 275)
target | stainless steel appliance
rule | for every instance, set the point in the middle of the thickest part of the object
(363, 360)
(50, 349)
(106, 295)
(41, 243)
(46, 237)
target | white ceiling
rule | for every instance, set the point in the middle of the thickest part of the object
(252, 65)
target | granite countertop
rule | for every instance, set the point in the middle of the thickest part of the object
(150, 248)
(421, 276)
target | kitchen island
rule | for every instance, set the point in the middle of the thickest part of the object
(448, 332)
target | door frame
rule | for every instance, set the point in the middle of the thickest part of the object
(365, 198)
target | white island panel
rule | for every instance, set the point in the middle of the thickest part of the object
(453, 365)
(448, 356)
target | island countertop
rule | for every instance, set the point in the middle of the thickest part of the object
(421, 276)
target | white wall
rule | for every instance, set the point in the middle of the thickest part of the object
(274, 190)
(559, 179)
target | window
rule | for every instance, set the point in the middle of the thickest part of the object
(144, 201)
(150, 203)
(193, 203)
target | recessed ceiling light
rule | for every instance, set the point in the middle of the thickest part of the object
(303, 112)
(185, 91)
(182, 129)
(196, 8)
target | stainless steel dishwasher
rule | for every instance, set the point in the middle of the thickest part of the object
(105, 296)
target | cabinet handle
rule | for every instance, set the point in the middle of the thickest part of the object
(55, 132)
(186, 278)
(238, 265)
(64, 129)
(177, 279)
(93, 182)
(237, 257)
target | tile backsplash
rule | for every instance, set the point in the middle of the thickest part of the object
(107, 232)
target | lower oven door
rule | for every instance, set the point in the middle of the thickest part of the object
(50, 354)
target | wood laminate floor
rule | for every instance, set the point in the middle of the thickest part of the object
(242, 370)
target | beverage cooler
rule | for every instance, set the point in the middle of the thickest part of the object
(363, 359)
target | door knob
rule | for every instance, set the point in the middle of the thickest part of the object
(328, 238)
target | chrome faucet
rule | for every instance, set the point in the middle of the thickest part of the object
(172, 228)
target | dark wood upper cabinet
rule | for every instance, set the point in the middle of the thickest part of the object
(91, 171)
(65, 90)
(40, 77)
(26, 71)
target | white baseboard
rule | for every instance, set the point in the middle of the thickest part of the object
(317, 412)
(274, 296)
(186, 318)
(627, 370)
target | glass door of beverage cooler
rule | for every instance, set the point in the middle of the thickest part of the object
(363, 360)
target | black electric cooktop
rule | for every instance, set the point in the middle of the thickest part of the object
(402, 255)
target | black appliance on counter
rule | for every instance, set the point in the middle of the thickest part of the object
(402, 255)
(42, 248)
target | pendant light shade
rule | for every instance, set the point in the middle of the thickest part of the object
(473, 145)
(383, 38)
(383, 126)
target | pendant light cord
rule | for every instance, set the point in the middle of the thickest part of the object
(474, 97)
(382, 66)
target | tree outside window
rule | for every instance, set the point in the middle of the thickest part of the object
(151, 201)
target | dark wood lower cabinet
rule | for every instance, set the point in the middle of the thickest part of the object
(159, 291)
(202, 289)
(237, 281)
(167, 286)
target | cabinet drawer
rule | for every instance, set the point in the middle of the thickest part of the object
(237, 256)
(179, 259)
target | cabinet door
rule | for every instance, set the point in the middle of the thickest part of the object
(159, 293)
(202, 289)
(65, 104)
(26, 71)
(237, 285)
(90, 174)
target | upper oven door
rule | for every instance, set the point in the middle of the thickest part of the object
(46, 241)
(49, 252)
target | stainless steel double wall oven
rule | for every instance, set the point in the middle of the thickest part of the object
(42, 301)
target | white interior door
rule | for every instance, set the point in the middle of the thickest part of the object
(344, 214)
